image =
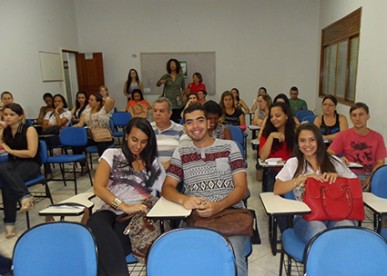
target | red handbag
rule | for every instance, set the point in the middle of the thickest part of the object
(340, 200)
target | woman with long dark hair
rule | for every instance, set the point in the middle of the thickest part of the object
(80, 105)
(21, 143)
(97, 116)
(132, 82)
(277, 140)
(174, 87)
(311, 161)
(124, 178)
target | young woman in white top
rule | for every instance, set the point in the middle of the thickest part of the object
(311, 161)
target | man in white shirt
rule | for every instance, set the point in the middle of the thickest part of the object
(167, 132)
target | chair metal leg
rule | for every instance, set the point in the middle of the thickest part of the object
(75, 178)
(281, 262)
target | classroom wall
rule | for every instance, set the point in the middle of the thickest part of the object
(371, 77)
(257, 42)
(27, 27)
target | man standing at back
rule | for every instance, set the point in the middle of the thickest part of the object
(296, 103)
(167, 132)
(360, 144)
(213, 173)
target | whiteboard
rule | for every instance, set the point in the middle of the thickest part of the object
(50, 65)
(153, 66)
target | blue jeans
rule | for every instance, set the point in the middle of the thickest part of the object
(239, 245)
(307, 229)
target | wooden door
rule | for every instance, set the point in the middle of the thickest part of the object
(90, 72)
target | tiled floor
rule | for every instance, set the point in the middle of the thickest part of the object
(261, 261)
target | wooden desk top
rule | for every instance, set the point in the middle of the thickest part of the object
(165, 209)
(276, 205)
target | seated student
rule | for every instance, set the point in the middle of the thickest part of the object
(277, 140)
(296, 103)
(55, 120)
(214, 113)
(239, 103)
(194, 162)
(104, 92)
(79, 107)
(192, 98)
(21, 143)
(281, 98)
(168, 133)
(202, 94)
(330, 123)
(360, 144)
(124, 179)
(196, 85)
(263, 103)
(97, 116)
(48, 99)
(231, 114)
(311, 161)
(138, 106)
(261, 91)
(6, 98)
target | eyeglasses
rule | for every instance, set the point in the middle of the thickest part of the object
(328, 105)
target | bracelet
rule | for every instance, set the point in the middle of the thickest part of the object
(115, 203)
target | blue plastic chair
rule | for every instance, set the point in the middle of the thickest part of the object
(71, 137)
(379, 188)
(119, 120)
(191, 251)
(39, 180)
(301, 114)
(308, 119)
(292, 246)
(58, 248)
(346, 251)
(238, 136)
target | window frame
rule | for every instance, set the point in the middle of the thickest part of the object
(344, 30)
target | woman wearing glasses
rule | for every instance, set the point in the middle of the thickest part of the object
(330, 122)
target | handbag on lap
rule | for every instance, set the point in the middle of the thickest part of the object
(340, 200)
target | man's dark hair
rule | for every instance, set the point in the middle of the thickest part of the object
(359, 105)
(194, 107)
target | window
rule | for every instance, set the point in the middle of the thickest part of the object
(339, 56)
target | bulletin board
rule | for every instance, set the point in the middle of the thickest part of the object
(153, 66)
(51, 67)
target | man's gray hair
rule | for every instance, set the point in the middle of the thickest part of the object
(164, 100)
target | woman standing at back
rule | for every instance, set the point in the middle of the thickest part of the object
(174, 87)
(132, 82)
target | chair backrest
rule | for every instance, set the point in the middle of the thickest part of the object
(43, 151)
(121, 118)
(58, 248)
(378, 182)
(236, 134)
(309, 119)
(73, 136)
(346, 251)
(300, 115)
(191, 251)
